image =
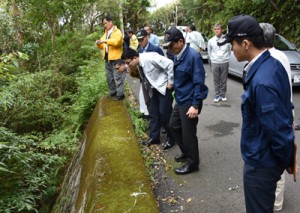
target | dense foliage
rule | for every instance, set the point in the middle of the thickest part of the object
(41, 126)
(205, 13)
(49, 84)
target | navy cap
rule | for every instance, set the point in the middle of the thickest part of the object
(173, 34)
(141, 34)
(241, 26)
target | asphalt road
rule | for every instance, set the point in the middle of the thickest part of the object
(218, 186)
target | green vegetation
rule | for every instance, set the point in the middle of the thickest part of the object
(43, 109)
(205, 13)
(51, 78)
(40, 130)
(152, 155)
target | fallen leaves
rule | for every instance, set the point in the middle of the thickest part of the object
(189, 200)
(170, 200)
(233, 188)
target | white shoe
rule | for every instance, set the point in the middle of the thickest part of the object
(217, 99)
(277, 209)
(223, 98)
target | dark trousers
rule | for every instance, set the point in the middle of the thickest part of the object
(259, 188)
(160, 109)
(184, 132)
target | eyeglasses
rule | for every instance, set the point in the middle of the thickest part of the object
(117, 68)
(128, 62)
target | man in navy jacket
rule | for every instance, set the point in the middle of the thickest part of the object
(190, 91)
(267, 131)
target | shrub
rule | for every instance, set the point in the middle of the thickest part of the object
(28, 173)
(42, 118)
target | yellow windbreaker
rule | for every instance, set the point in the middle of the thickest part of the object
(114, 43)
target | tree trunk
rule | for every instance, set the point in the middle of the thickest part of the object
(17, 17)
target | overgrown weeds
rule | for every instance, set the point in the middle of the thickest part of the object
(153, 155)
(43, 113)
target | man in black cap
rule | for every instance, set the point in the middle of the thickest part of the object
(190, 91)
(267, 131)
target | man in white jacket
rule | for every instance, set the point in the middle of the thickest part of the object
(219, 58)
(196, 40)
(156, 73)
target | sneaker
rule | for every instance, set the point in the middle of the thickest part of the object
(223, 98)
(217, 99)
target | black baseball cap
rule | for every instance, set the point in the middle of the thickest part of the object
(173, 35)
(141, 34)
(241, 26)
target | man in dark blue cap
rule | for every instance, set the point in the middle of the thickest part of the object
(267, 137)
(190, 91)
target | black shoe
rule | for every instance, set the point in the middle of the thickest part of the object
(151, 141)
(112, 94)
(297, 127)
(180, 158)
(119, 98)
(167, 145)
(187, 168)
(146, 117)
(163, 130)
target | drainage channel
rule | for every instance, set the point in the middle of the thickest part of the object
(108, 173)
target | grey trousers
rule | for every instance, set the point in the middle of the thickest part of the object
(220, 73)
(115, 80)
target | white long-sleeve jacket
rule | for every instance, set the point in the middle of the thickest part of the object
(158, 70)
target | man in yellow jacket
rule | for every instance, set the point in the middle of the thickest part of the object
(111, 44)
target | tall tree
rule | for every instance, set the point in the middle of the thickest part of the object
(282, 14)
(136, 13)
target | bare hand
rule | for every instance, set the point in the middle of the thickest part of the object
(192, 112)
(100, 42)
(290, 170)
(169, 86)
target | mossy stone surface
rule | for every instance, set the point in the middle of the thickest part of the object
(114, 177)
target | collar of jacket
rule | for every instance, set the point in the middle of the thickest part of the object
(185, 52)
(255, 67)
(114, 29)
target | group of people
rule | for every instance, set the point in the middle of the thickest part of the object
(160, 77)
(112, 43)
(267, 137)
